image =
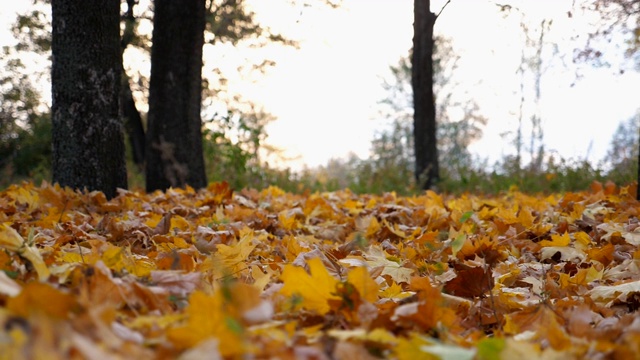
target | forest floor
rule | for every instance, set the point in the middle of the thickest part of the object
(268, 274)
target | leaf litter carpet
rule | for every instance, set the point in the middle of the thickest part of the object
(267, 274)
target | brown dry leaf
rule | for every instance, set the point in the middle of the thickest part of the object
(469, 282)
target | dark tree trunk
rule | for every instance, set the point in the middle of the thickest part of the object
(132, 121)
(87, 134)
(174, 131)
(128, 110)
(424, 118)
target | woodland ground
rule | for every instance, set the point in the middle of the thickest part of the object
(269, 274)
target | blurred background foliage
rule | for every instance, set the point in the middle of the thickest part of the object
(235, 140)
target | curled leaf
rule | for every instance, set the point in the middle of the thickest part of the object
(11, 240)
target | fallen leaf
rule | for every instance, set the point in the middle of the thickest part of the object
(360, 279)
(42, 298)
(315, 289)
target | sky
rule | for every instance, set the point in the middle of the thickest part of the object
(325, 93)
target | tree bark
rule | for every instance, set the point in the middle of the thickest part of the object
(87, 134)
(128, 110)
(132, 122)
(424, 118)
(174, 131)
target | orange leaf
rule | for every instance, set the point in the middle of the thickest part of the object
(544, 324)
(430, 311)
(602, 254)
(217, 193)
(42, 298)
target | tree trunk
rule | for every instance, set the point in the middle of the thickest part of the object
(128, 110)
(174, 131)
(424, 118)
(87, 134)
(132, 121)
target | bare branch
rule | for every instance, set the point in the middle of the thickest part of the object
(441, 10)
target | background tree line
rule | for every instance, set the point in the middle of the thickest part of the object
(166, 141)
(392, 166)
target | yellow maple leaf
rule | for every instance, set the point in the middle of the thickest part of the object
(526, 218)
(25, 195)
(315, 290)
(118, 259)
(153, 220)
(433, 199)
(377, 335)
(359, 277)
(293, 247)
(410, 349)
(272, 191)
(180, 223)
(260, 278)
(354, 207)
(232, 258)
(394, 229)
(373, 227)
(557, 240)
(288, 221)
(508, 215)
(395, 292)
(206, 319)
(582, 238)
